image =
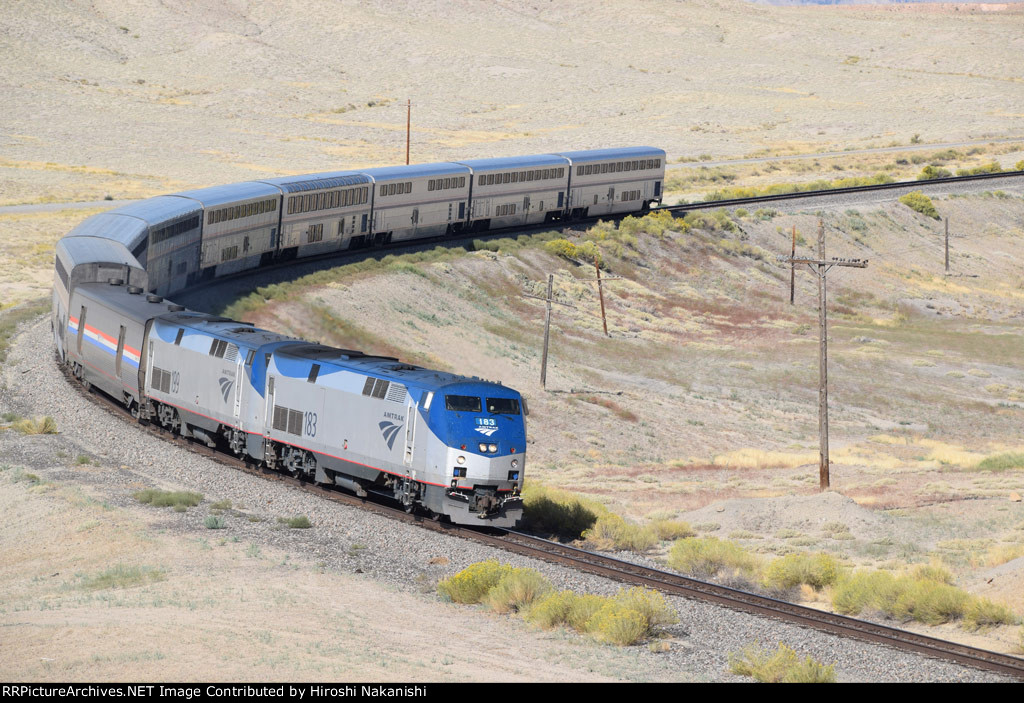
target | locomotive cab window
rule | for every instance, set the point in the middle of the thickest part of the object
(462, 403)
(503, 406)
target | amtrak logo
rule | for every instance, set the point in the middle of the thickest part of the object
(390, 430)
(487, 431)
(226, 384)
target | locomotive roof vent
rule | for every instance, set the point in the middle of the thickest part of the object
(134, 290)
(115, 281)
(154, 298)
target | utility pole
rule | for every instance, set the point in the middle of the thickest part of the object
(947, 245)
(792, 270)
(408, 125)
(821, 267)
(547, 327)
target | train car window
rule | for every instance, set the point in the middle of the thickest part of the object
(430, 185)
(462, 181)
(408, 187)
(462, 403)
(507, 178)
(273, 205)
(209, 218)
(503, 406)
(392, 188)
(579, 170)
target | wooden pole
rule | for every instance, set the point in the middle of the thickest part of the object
(408, 125)
(823, 476)
(547, 331)
(792, 270)
(947, 245)
(600, 293)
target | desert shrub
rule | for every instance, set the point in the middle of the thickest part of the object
(929, 172)
(792, 570)
(991, 167)
(551, 610)
(651, 605)
(297, 522)
(122, 576)
(517, 590)
(617, 624)
(1019, 166)
(1001, 462)
(672, 529)
(37, 425)
(472, 583)
(169, 499)
(781, 666)
(919, 202)
(708, 557)
(612, 532)
(982, 613)
(549, 511)
(582, 609)
(932, 572)
(214, 522)
(927, 601)
(561, 247)
(924, 596)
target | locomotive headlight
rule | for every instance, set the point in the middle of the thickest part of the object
(483, 447)
(515, 463)
(492, 448)
(460, 460)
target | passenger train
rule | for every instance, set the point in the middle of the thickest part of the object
(452, 445)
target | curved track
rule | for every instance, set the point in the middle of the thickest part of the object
(617, 569)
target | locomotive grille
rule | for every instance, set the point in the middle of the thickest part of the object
(287, 420)
(161, 380)
(397, 393)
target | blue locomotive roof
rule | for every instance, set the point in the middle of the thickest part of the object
(500, 164)
(231, 193)
(296, 361)
(629, 152)
(317, 181)
(397, 173)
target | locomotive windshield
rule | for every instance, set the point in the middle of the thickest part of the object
(462, 403)
(503, 406)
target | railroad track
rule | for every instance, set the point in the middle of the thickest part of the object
(285, 270)
(609, 567)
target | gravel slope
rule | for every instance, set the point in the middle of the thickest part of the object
(396, 557)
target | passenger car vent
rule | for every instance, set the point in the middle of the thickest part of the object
(231, 354)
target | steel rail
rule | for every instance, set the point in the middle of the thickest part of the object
(602, 565)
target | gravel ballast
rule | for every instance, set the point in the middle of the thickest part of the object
(348, 540)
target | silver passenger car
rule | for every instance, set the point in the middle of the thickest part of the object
(611, 181)
(322, 212)
(239, 227)
(418, 201)
(519, 190)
